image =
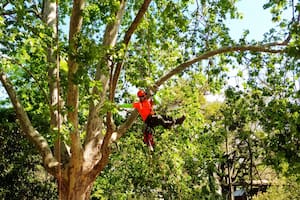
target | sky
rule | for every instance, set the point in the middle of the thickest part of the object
(255, 19)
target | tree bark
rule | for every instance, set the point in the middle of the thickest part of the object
(81, 190)
(94, 141)
(55, 104)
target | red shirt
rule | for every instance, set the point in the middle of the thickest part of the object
(144, 108)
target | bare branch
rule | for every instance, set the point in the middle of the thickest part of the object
(102, 75)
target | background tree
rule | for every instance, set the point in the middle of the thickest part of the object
(22, 175)
(108, 46)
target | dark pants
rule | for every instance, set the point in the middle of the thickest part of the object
(156, 120)
(153, 121)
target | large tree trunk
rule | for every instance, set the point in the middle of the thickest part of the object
(80, 191)
(89, 159)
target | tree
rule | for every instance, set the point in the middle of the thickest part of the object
(110, 44)
(261, 131)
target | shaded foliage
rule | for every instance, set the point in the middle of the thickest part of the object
(21, 175)
(274, 124)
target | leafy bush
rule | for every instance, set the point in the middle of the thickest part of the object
(21, 173)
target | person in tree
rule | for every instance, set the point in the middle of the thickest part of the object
(145, 108)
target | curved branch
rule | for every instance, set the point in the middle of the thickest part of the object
(40, 142)
(263, 48)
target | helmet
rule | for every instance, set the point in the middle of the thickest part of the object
(141, 93)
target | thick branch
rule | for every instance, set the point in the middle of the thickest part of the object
(26, 126)
(113, 34)
(183, 66)
(126, 40)
(94, 124)
(95, 137)
(72, 104)
(55, 103)
(73, 92)
(111, 31)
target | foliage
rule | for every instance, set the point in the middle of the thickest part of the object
(283, 189)
(22, 175)
(268, 104)
(268, 124)
(183, 163)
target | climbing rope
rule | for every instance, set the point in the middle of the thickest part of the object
(58, 105)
